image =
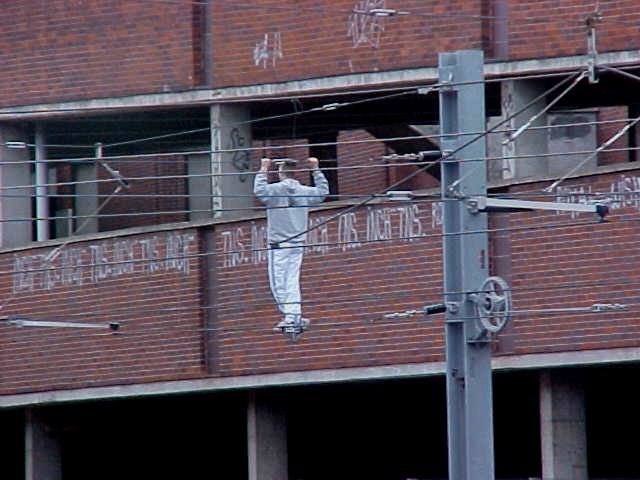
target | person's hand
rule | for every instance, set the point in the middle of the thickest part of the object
(313, 163)
(265, 164)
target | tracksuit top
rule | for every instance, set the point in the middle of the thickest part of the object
(283, 222)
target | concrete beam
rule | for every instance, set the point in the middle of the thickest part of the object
(315, 86)
(316, 377)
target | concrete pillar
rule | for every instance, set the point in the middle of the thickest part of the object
(231, 130)
(42, 451)
(17, 172)
(43, 231)
(515, 95)
(200, 201)
(563, 426)
(267, 439)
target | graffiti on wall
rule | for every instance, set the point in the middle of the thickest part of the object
(267, 52)
(94, 263)
(247, 245)
(364, 28)
(241, 160)
(623, 192)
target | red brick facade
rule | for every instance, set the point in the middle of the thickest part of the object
(165, 286)
(148, 283)
(70, 50)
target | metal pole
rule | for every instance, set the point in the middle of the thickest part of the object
(469, 397)
(42, 194)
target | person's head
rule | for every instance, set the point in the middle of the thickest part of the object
(286, 168)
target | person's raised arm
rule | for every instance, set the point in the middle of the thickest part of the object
(260, 183)
(320, 181)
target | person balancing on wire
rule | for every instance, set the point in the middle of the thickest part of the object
(288, 203)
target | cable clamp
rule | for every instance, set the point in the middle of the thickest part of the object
(117, 176)
(328, 107)
(400, 195)
(411, 156)
(608, 307)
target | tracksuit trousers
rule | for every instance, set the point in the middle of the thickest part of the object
(284, 278)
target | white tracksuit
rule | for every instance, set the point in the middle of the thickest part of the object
(288, 203)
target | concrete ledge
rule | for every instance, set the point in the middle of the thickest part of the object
(336, 85)
(316, 377)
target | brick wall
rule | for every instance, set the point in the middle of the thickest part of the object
(577, 265)
(143, 281)
(548, 28)
(160, 188)
(306, 39)
(617, 117)
(379, 259)
(356, 270)
(68, 49)
(365, 171)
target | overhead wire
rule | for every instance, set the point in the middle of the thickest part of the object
(53, 253)
(115, 311)
(24, 111)
(607, 143)
(395, 322)
(442, 157)
(369, 320)
(533, 192)
(421, 196)
(298, 8)
(159, 157)
(364, 202)
(580, 164)
(416, 237)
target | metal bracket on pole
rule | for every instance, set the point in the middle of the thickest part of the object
(486, 204)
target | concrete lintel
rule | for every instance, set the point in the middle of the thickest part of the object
(315, 377)
(316, 86)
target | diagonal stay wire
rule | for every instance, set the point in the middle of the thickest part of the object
(577, 77)
(251, 121)
(620, 72)
(577, 167)
(442, 157)
(615, 137)
(56, 251)
(550, 105)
